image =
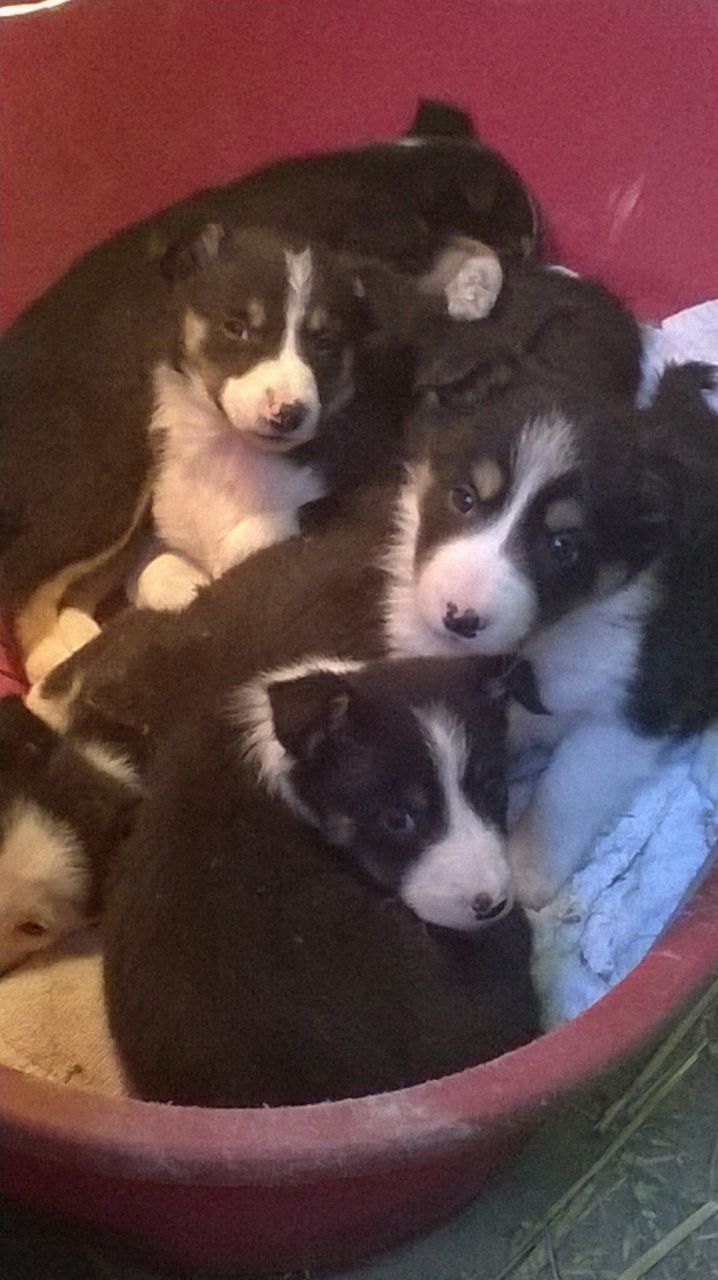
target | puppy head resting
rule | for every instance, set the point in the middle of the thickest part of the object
(398, 764)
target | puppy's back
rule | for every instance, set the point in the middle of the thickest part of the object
(247, 965)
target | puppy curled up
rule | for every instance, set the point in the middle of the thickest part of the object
(263, 939)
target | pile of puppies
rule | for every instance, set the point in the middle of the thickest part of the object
(376, 481)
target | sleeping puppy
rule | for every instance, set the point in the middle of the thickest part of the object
(250, 963)
(77, 368)
(64, 807)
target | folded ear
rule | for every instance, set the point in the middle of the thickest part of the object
(309, 710)
(185, 257)
(25, 739)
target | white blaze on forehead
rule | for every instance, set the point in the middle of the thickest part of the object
(479, 570)
(250, 400)
(470, 858)
(44, 879)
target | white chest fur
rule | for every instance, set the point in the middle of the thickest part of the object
(584, 662)
(211, 479)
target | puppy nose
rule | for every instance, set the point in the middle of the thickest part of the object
(487, 908)
(466, 624)
(289, 417)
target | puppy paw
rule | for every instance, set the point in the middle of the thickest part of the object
(168, 583)
(533, 882)
(472, 292)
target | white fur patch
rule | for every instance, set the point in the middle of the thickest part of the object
(211, 478)
(250, 401)
(584, 662)
(470, 859)
(250, 710)
(475, 570)
(43, 881)
(111, 762)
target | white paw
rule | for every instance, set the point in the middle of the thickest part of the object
(76, 628)
(472, 292)
(168, 582)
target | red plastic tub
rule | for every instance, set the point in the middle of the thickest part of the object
(113, 108)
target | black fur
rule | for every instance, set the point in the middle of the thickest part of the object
(247, 964)
(38, 765)
(676, 687)
(567, 334)
(74, 391)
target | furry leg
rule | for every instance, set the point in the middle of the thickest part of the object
(253, 534)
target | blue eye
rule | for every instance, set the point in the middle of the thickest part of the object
(565, 547)
(398, 822)
(463, 498)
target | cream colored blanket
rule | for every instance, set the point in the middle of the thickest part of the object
(52, 1019)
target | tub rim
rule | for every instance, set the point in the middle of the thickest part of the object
(136, 1140)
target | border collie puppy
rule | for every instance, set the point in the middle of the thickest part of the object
(547, 328)
(588, 541)
(77, 368)
(64, 807)
(247, 963)
(271, 399)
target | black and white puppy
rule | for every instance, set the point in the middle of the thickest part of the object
(64, 807)
(287, 376)
(587, 540)
(249, 964)
(77, 368)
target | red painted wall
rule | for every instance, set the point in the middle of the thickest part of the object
(609, 108)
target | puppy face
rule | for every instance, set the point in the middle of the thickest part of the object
(268, 332)
(401, 765)
(510, 517)
(60, 816)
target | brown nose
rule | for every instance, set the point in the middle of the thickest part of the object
(487, 908)
(289, 417)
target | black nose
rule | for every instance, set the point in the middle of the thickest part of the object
(466, 624)
(289, 417)
(485, 907)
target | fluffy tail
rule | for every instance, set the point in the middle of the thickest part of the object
(435, 119)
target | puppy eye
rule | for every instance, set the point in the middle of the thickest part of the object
(398, 822)
(463, 498)
(31, 928)
(236, 328)
(565, 547)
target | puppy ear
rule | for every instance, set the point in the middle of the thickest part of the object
(309, 710)
(181, 260)
(25, 739)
